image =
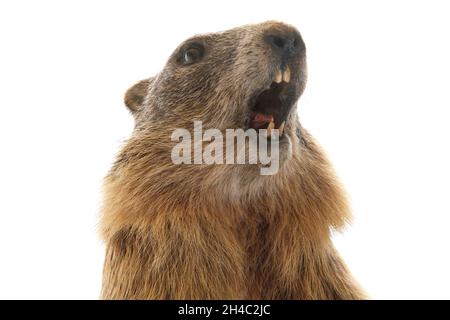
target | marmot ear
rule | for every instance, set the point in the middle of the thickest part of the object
(134, 97)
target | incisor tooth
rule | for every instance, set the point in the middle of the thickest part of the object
(270, 127)
(278, 76)
(287, 75)
(281, 128)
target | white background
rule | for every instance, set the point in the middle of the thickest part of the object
(377, 100)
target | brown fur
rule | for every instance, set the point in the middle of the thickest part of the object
(220, 231)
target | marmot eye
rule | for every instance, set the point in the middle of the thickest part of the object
(192, 55)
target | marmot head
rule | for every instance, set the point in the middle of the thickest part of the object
(226, 79)
(247, 77)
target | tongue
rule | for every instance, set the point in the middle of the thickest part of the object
(260, 120)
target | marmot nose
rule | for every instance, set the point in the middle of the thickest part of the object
(286, 43)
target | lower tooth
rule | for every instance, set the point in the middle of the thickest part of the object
(281, 128)
(270, 127)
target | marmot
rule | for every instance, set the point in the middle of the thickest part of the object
(220, 231)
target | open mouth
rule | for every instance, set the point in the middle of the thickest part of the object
(270, 108)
